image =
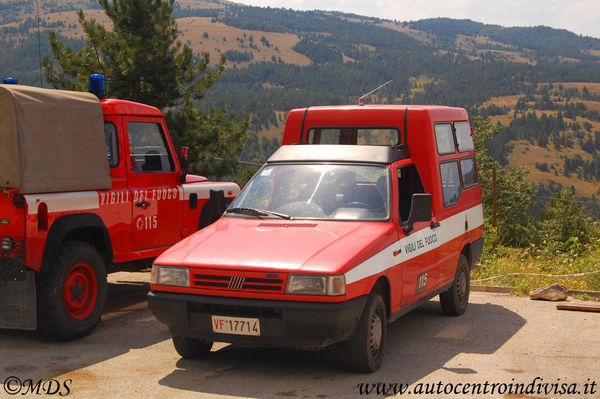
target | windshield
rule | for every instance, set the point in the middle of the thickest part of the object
(317, 191)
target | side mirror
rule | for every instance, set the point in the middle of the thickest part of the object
(420, 210)
(184, 162)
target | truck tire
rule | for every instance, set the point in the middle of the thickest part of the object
(191, 348)
(367, 345)
(454, 301)
(71, 296)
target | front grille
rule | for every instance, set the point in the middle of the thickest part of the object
(17, 251)
(237, 281)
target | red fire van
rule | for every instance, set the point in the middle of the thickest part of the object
(363, 214)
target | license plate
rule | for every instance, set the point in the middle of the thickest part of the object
(236, 325)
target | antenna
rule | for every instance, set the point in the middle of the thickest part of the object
(37, 7)
(360, 100)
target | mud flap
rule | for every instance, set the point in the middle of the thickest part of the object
(17, 298)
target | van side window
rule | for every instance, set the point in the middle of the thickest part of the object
(451, 186)
(409, 183)
(468, 171)
(463, 136)
(444, 138)
(148, 148)
(112, 144)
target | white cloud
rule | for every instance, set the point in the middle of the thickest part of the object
(578, 16)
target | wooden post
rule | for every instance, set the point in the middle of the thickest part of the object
(494, 206)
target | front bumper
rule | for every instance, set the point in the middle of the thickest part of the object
(286, 324)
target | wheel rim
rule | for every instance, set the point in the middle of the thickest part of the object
(375, 334)
(80, 291)
(461, 282)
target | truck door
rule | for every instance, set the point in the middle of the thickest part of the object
(418, 268)
(153, 182)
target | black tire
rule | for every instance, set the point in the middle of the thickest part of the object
(455, 301)
(191, 348)
(71, 295)
(367, 346)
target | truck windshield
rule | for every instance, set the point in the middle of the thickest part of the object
(316, 191)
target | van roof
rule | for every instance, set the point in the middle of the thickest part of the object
(338, 153)
(301, 120)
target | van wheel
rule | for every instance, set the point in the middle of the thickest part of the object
(454, 301)
(367, 345)
(71, 296)
(191, 348)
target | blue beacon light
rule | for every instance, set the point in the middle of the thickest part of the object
(97, 85)
(11, 81)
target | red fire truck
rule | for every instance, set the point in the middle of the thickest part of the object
(87, 185)
(363, 214)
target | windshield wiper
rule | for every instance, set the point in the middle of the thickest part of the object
(259, 212)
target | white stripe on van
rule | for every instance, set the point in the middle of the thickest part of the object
(417, 243)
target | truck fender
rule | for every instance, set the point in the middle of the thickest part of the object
(87, 227)
(213, 208)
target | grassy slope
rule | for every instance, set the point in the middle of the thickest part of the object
(526, 154)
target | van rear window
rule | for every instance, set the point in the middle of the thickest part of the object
(354, 135)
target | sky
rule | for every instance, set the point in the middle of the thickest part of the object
(578, 16)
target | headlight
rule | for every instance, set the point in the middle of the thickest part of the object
(169, 275)
(307, 284)
(7, 244)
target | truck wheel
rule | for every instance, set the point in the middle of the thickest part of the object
(71, 296)
(368, 343)
(454, 301)
(191, 348)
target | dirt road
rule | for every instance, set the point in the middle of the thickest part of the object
(503, 347)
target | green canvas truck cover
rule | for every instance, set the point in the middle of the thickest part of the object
(51, 140)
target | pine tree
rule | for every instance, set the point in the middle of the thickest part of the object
(143, 61)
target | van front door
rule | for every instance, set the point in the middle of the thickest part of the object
(419, 274)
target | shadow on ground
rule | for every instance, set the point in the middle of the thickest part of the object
(419, 343)
(126, 324)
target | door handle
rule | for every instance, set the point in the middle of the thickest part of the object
(144, 204)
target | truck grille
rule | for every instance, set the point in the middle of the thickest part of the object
(236, 281)
(17, 251)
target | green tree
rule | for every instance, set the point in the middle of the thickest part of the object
(143, 61)
(515, 195)
(563, 225)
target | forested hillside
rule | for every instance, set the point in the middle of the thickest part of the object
(541, 84)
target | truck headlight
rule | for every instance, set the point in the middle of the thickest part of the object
(7, 243)
(308, 284)
(170, 275)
